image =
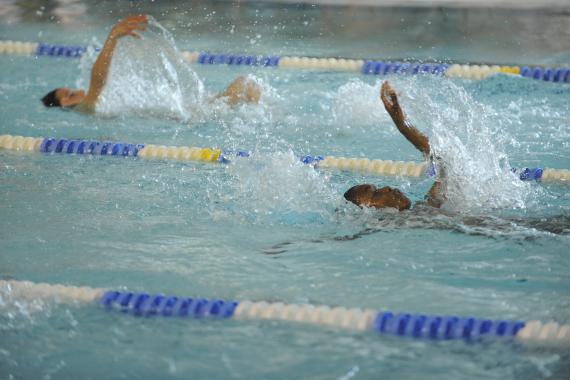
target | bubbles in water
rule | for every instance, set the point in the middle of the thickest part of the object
(357, 102)
(148, 76)
(244, 117)
(16, 309)
(276, 188)
(469, 138)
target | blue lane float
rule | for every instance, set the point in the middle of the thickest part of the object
(403, 68)
(93, 147)
(227, 154)
(560, 74)
(556, 75)
(405, 325)
(144, 304)
(529, 174)
(51, 145)
(44, 49)
(444, 327)
(419, 326)
(237, 60)
(311, 160)
(104, 148)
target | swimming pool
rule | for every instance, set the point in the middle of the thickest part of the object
(269, 228)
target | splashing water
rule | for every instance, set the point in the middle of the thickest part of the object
(277, 188)
(148, 76)
(465, 134)
(468, 137)
(358, 101)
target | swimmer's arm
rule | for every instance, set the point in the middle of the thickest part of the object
(100, 70)
(390, 100)
(436, 194)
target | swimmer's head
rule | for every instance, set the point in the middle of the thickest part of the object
(242, 90)
(63, 97)
(371, 196)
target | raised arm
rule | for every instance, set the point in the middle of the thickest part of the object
(100, 70)
(390, 100)
(436, 194)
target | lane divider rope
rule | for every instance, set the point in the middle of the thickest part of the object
(559, 74)
(149, 151)
(418, 326)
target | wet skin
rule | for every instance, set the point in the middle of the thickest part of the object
(68, 97)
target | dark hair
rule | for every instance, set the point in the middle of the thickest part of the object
(371, 196)
(355, 192)
(50, 100)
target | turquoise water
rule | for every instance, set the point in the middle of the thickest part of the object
(269, 228)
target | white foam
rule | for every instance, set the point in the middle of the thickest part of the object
(467, 135)
(277, 187)
(148, 77)
(470, 137)
(357, 102)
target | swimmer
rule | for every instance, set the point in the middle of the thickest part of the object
(367, 195)
(388, 197)
(242, 90)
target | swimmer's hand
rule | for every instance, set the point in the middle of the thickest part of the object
(128, 25)
(390, 100)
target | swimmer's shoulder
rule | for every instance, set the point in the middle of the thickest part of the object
(85, 107)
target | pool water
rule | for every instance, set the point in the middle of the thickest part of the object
(267, 227)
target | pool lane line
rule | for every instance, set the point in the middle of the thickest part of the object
(405, 325)
(559, 74)
(148, 151)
